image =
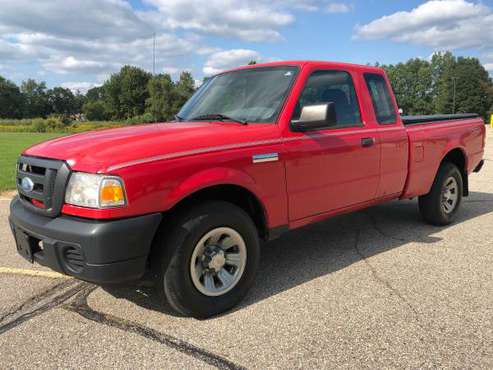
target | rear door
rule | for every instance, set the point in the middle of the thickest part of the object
(393, 136)
(334, 168)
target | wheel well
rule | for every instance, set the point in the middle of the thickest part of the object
(234, 194)
(457, 157)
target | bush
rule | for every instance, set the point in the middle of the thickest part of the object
(16, 128)
(52, 124)
(58, 124)
(16, 122)
(90, 126)
(95, 111)
(144, 118)
(39, 125)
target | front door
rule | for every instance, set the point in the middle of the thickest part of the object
(334, 168)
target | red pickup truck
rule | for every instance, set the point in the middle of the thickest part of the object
(255, 152)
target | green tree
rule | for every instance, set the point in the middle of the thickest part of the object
(95, 110)
(473, 85)
(412, 84)
(80, 100)
(35, 98)
(162, 97)
(62, 102)
(95, 94)
(111, 93)
(474, 88)
(11, 100)
(125, 93)
(427, 87)
(442, 66)
(184, 89)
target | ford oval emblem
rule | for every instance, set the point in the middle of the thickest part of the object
(27, 184)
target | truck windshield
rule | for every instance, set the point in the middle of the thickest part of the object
(249, 95)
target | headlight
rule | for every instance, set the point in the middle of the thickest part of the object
(95, 191)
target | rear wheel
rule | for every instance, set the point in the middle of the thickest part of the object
(216, 253)
(440, 205)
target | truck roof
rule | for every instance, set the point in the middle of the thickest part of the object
(303, 63)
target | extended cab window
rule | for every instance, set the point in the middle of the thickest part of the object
(380, 96)
(331, 86)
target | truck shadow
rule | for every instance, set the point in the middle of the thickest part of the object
(305, 254)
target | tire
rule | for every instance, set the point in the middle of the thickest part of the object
(179, 281)
(438, 207)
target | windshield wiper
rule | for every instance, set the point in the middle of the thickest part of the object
(218, 116)
(178, 118)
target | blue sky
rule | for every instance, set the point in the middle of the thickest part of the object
(79, 43)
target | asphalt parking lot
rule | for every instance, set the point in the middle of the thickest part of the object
(377, 288)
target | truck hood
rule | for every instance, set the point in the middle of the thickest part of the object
(100, 151)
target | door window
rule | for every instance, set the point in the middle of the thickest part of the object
(380, 97)
(331, 86)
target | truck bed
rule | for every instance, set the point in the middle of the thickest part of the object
(427, 119)
(432, 137)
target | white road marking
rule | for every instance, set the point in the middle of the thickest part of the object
(35, 273)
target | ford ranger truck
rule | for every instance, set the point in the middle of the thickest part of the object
(255, 152)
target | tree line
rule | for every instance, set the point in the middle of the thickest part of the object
(33, 99)
(443, 84)
(132, 93)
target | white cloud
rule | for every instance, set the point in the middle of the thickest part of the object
(255, 20)
(441, 24)
(206, 50)
(314, 5)
(171, 70)
(90, 39)
(88, 19)
(250, 20)
(488, 67)
(197, 83)
(81, 87)
(228, 59)
(339, 8)
(65, 55)
(72, 64)
(11, 51)
(84, 37)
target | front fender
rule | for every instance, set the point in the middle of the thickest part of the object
(212, 177)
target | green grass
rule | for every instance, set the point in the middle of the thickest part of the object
(11, 145)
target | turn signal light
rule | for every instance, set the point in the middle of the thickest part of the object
(111, 193)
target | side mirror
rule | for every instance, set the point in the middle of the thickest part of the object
(316, 117)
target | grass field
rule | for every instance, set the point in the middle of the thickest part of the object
(11, 145)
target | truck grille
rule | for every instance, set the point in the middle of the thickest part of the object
(41, 184)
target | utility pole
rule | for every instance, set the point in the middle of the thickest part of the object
(154, 53)
(454, 79)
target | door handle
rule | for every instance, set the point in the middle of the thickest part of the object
(367, 142)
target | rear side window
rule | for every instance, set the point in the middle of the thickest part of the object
(380, 96)
(331, 86)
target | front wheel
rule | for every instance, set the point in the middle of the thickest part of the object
(216, 254)
(440, 205)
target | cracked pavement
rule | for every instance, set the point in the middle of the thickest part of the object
(377, 288)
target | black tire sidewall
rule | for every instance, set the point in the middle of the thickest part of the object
(177, 283)
(431, 204)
